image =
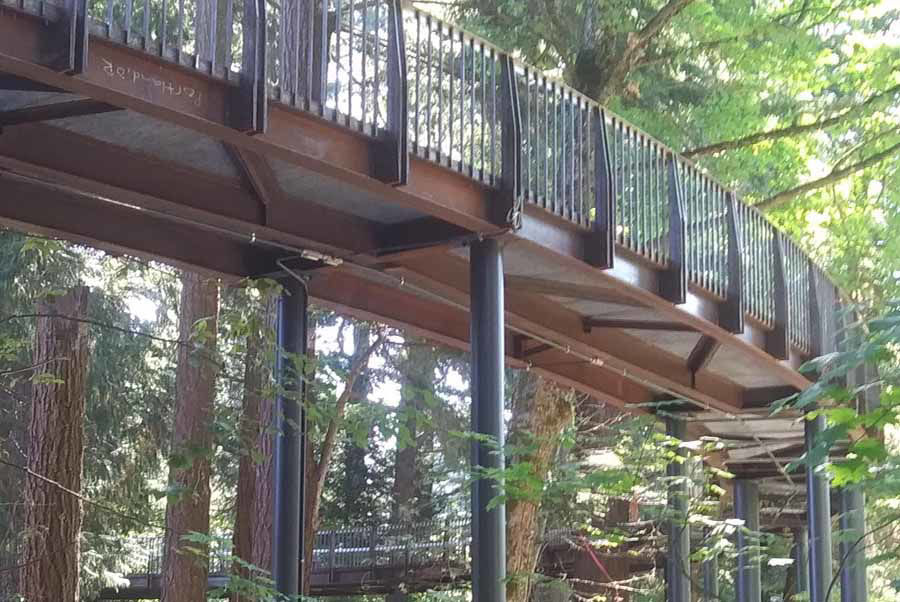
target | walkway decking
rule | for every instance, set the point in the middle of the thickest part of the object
(363, 144)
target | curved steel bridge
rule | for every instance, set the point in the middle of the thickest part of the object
(390, 159)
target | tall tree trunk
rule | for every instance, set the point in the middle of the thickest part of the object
(540, 413)
(354, 483)
(417, 380)
(253, 515)
(187, 510)
(53, 516)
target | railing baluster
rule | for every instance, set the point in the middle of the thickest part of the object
(462, 102)
(337, 56)
(440, 131)
(481, 159)
(351, 17)
(418, 106)
(428, 120)
(472, 108)
(494, 178)
(145, 26)
(451, 105)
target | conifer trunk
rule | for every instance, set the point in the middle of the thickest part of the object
(417, 381)
(255, 494)
(53, 516)
(540, 413)
(185, 573)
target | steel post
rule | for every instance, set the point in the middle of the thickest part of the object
(801, 559)
(287, 527)
(818, 510)
(748, 581)
(852, 547)
(487, 339)
(710, 569)
(678, 562)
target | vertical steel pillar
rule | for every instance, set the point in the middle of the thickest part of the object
(710, 569)
(748, 583)
(289, 444)
(487, 338)
(801, 559)
(853, 551)
(678, 561)
(818, 511)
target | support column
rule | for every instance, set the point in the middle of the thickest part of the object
(853, 551)
(291, 424)
(710, 569)
(818, 511)
(487, 339)
(801, 559)
(748, 583)
(678, 561)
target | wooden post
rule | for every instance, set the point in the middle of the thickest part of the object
(600, 250)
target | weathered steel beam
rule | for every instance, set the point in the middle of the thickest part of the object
(57, 110)
(590, 323)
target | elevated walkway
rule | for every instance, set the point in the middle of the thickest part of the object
(407, 558)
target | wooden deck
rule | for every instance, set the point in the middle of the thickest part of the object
(630, 274)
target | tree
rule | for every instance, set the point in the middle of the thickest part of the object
(185, 568)
(255, 492)
(53, 511)
(541, 411)
(319, 457)
(411, 493)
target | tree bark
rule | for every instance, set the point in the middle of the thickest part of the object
(355, 478)
(255, 494)
(417, 379)
(540, 413)
(53, 517)
(187, 510)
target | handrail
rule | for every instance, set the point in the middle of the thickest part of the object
(418, 85)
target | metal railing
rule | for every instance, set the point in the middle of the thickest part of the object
(402, 546)
(425, 88)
